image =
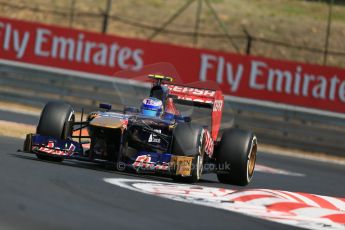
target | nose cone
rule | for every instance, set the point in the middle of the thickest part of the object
(108, 122)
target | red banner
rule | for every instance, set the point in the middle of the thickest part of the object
(258, 78)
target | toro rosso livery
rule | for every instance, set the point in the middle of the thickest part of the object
(156, 138)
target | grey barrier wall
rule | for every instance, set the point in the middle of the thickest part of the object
(272, 125)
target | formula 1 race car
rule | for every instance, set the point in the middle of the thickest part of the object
(155, 138)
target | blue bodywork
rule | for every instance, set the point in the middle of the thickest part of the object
(153, 157)
(142, 161)
(65, 146)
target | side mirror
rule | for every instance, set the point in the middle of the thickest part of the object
(105, 106)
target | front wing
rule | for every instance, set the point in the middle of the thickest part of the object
(142, 162)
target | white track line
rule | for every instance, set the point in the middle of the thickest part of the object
(259, 203)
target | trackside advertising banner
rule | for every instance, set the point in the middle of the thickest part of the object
(238, 75)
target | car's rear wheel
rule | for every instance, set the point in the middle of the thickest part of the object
(236, 157)
(55, 121)
(189, 141)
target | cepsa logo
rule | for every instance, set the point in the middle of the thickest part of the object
(192, 94)
(191, 91)
(74, 47)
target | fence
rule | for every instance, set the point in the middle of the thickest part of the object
(278, 126)
(246, 41)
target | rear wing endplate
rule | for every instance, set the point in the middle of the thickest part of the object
(207, 98)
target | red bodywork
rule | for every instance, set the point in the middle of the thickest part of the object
(213, 99)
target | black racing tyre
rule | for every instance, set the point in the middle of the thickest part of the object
(236, 157)
(56, 121)
(189, 141)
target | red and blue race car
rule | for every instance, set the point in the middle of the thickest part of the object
(159, 137)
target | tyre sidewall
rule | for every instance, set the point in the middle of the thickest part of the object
(55, 120)
(233, 151)
(189, 141)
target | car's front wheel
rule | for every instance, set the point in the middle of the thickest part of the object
(189, 141)
(55, 121)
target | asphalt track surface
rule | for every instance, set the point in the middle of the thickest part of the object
(18, 117)
(73, 195)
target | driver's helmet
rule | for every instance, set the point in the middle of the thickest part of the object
(152, 107)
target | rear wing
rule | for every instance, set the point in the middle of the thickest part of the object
(207, 98)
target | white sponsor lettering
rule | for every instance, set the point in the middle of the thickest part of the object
(255, 73)
(262, 77)
(40, 39)
(73, 49)
(79, 50)
(61, 47)
(137, 53)
(202, 100)
(158, 130)
(153, 102)
(88, 47)
(332, 91)
(8, 28)
(153, 137)
(342, 91)
(112, 57)
(234, 79)
(233, 75)
(14, 39)
(205, 65)
(124, 55)
(280, 77)
(191, 91)
(307, 79)
(259, 76)
(297, 80)
(319, 91)
(218, 105)
(100, 56)
(20, 44)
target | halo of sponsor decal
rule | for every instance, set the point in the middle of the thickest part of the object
(297, 209)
